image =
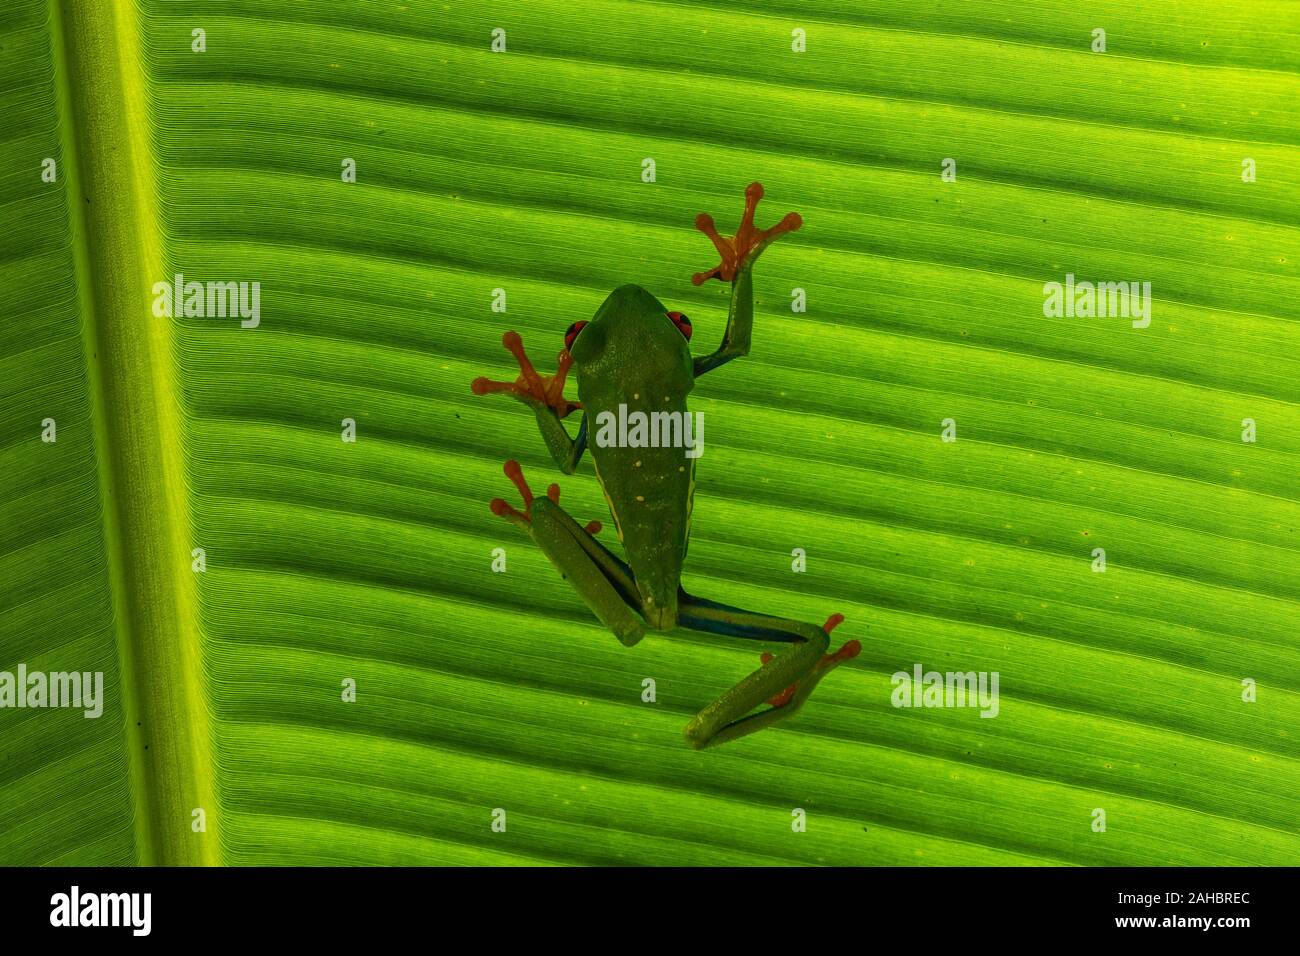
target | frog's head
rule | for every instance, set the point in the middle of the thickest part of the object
(633, 343)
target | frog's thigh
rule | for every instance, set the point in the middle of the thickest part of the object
(700, 614)
(601, 580)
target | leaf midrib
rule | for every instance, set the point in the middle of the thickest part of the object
(117, 251)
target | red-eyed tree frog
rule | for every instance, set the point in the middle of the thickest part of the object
(635, 353)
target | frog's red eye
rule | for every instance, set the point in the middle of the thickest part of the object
(682, 322)
(572, 334)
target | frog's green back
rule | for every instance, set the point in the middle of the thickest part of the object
(631, 358)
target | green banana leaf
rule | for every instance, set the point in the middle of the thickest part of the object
(199, 531)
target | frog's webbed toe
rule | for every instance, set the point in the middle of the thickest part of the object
(749, 241)
(531, 386)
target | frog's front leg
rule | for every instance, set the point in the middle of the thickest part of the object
(739, 253)
(784, 681)
(601, 580)
(545, 396)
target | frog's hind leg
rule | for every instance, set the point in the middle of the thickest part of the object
(784, 682)
(615, 570)
(603, 582)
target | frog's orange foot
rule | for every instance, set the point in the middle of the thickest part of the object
(516, 474)
(850, 650)
(749, 241)
(530, 385)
